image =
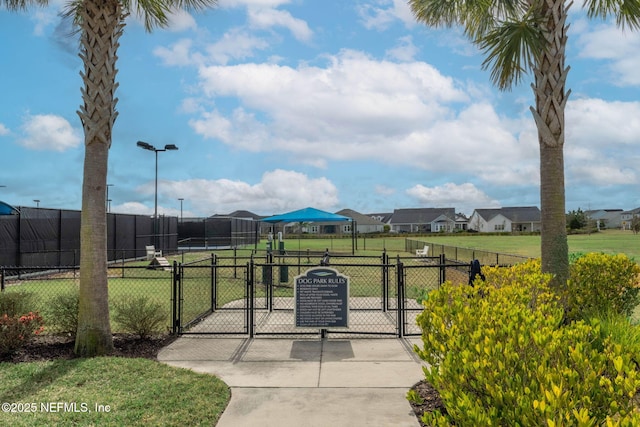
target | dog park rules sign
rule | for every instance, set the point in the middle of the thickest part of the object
(322, 299)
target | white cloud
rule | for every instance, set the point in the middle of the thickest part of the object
(384, 190)
(177, 54)
(358, 108)
(404, 51)
(3, 130)
(49, 132)
(265, 18)
(382, 13)
(621, 50)
(464, 197)
(602, 142)
(180, 20)
(278, 191)
(235, 44)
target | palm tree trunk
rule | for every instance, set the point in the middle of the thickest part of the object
(550, 77)
(101, 24)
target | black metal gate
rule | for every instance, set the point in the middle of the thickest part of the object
(220, 296)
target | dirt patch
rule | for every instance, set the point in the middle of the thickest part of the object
(431, 400)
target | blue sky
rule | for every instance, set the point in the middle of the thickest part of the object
(277, 105)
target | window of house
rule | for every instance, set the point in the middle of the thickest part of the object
(498, 227)
(313, 229)
(346, 228)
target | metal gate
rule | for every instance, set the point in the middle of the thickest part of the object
(218, 296)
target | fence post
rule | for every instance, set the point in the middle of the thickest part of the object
(175, 321)
(214, 282)
(2, 274)
(385, 280)
(443, 269)
(400, 291)
(250, 291)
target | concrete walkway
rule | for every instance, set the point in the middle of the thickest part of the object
(306, 382)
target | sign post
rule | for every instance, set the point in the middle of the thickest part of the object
(321, 299)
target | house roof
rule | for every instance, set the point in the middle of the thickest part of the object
(241, 214)
(421, 215)
(359, 218)
(513, 214)
(386, 216)
(307, 215)
(604, 213)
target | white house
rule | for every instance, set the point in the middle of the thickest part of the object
(627, 216)
(508, 219)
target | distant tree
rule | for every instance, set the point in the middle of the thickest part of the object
(635, 224)
(577, 220)
(531, 36)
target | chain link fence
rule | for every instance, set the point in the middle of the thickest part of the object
(251, 295)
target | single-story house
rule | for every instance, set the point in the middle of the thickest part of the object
(364, 224)
(423, 220)
(605, 218)
(508, 219)
(627, 216)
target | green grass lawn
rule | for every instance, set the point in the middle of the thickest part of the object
(109, 391)
(607, 241)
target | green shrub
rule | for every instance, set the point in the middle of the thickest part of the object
(62, 313)
(500, 354)
(139, 315)
(601, 283)
(16, 303)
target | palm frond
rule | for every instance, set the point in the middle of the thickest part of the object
(14, 5)
(512, 49)
(626, 12)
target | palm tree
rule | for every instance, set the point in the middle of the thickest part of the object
(101, 23)
(520, 36)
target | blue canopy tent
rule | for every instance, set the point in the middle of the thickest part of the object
(7, 209)
(308, 215)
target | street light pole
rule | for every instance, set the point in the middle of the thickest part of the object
(37, 202)
(181, 200)
(108, 200)
(150, 147)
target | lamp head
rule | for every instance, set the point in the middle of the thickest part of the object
(170, 147)
(145, 145)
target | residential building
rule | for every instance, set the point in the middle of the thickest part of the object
(364, 224)
(605, 218)
(627, 216)
(508, 219)
(423, 220)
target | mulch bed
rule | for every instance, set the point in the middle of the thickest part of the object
(431, 400)
(54, 347)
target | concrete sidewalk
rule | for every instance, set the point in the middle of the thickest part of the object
(306, 382)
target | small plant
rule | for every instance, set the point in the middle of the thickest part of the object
(16, 331)
(414, 397)
(420, 294)
(62, 313)
(139, 315)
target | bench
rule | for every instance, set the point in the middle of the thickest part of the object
(152, 253)
(423, 252)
